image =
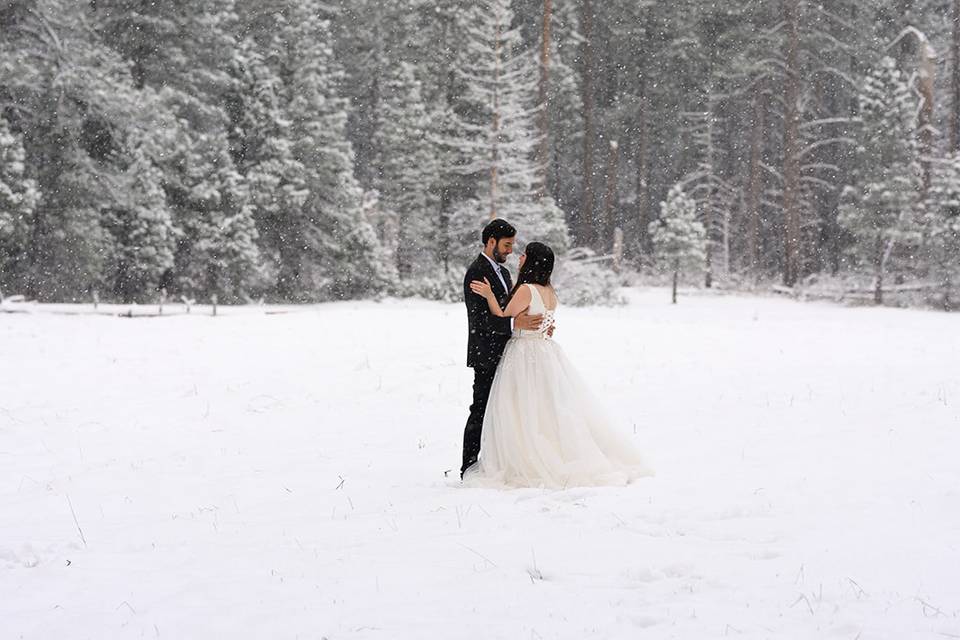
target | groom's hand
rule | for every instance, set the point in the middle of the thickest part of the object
(527, 322)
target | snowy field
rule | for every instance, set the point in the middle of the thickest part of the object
(283, 476)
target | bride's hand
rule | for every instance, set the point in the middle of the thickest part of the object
(481, 288)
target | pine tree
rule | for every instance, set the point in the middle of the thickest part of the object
(679, 240)
(142, 231)
(76, 106)
(331, 250)
(884, 205)
(452, 186)
(244, 108)
(716, 197)
(371, 39)
(406, 171)
(18, 199)
(261, 144)
(498, 134)
(190, 54)
(217, 251)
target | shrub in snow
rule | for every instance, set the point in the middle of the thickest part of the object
(445, 287)
(579, 281)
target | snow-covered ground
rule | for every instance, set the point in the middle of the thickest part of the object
(283, 476)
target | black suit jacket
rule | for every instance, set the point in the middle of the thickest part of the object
(488, 333)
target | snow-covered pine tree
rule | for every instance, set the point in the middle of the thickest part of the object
(74, 102)
(299, 161)
(406, 171)
(679, 239)
(218, 253)
(451, 187)
(498, 134)
(142, 232)
(425, 34)
(18, 199)
(333, 251)
(715, 196)
(371, 38)
(884, 205)
(261, 143)
(238, 262)
(186, 54)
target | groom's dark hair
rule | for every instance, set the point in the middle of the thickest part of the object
(498, 229)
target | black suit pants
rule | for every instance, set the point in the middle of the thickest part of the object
(482, 381)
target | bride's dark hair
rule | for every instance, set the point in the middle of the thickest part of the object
(537, 267)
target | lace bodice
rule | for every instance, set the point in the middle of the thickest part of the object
(537, 307)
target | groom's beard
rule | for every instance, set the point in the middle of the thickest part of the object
(499, 257)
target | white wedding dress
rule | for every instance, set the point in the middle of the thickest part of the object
(542, 427)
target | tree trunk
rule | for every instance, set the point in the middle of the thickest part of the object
(543, 154)
(617, 249)
(726, 242)
(947, 302)
(585, 222)
(791, 151)
(643, 171)
(495, 151)
(676, 276)
(710, 204)
(610, 200)
(878, 271)
(955, 81)
(443, 223)
(878, 292)
(289, 280)
(708, 224)
(925, 84)
(753, 191)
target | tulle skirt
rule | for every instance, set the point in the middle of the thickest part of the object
(543, 427)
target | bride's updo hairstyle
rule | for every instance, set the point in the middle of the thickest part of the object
(537, 267)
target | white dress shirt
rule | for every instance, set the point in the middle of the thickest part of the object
(496, 270)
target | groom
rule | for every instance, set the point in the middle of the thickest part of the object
(488, 333)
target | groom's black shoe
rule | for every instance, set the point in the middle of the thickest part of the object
(467, 465)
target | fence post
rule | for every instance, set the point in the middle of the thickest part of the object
(163, 298)
(213, 299)
(96, 299)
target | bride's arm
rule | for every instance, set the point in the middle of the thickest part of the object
(519, 302)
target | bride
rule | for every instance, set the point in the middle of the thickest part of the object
(542, 427)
